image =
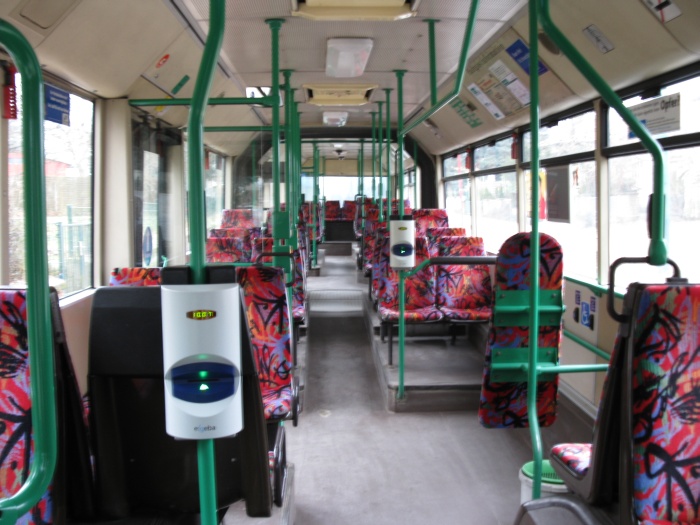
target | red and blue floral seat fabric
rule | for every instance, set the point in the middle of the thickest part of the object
(368, 238)
(662, 377)
(347, 212)
(237, 218)
(357, 222)
(429, 218)
(262, 245)
(419, 291)
(229, 245)
(268, 317)
(433, 236)
(299, 289)
(504, 404)
(332, 211)
(463, 292)
(135, 277)
(380, 262)
(16, 448)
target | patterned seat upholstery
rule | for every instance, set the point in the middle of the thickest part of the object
(347, 212)
(380, 262)
(237, 218)
(368, 238)
(429, 218)
(419, 304)
(463, 292)
(298, 292)
(268, 316)
(135, 277)
(660, 423)
(504, 404)
(433, 236)
(262, 245)
(357, 223)
(332, 210)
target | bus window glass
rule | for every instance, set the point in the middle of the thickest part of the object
(630, 186)
(689, 93)
(497, 155)
(458, 203)
(567, 212)
(455, 165)
(568, 137)
(338, 188)
(214, 188)
(68, 170)
(497, 208)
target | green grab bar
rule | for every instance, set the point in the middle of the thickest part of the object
(380, 176)
(39, 328)
(657, 245)
(223, 101)
(219, 129)
(459, 80)
(588, 346)
(197, 218)
(387, 196)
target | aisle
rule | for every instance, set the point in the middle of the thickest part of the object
(357, 463)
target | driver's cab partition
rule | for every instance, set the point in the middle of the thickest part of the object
(139, 469)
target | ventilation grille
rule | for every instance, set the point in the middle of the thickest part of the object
(339, 94)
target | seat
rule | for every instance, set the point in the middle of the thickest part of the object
(67, 495)
(230, 244)
(419, 304)
(380, 262)
(433, 235)
(347, 212)
(429, 218)
(503, 403)
(262, 245)
(332, 210)
(368, 238)
(139, 469)
(660, 407)
(463, 292)
(135, 277)
(238, 218)
(298, 293)
(268, 320)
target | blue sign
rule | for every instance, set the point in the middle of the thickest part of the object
(521, 54)
(585, 315)
(57, 103)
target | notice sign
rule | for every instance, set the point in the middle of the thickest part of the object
(57, 103)
(661, 115)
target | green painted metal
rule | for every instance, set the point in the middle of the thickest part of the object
(222, 101)
(461, 68)
(657, 245)
(374, 157)
(433, 64)
(512, 365)
(400, 394)
(288, 155)
(197, 218)
(597, 351)
(597, 289)
(39, 331)
(399, 134)
(534, 250)
(387, 196)
(380, 138)
(314, 215)
(221, 129)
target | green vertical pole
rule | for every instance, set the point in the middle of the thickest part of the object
(433, 63)
(39, 332)
(402, 330)
(380, 135)
(399, 135)
(374, 153)
(277, 234)
(253, 177)
(197, 218)
(361, 167)
(388, 152)
(288, 152)
(314, 221)
(534, 251)
(415, 172)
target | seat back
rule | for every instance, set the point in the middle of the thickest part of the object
(347, 212)
(429, 218)
(433, 236)
(238, 218)
(661, 449)
(262, 245)
(299, 287)
(332, 210)
(268, 320)
(135, 277)
(380, 261)
(504, 404)
(463, 287)
(228, 249)
(368, 237)
(419, 288)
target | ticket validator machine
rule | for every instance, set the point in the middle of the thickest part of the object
(202, 360)
(402, 242)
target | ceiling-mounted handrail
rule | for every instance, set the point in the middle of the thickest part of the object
(657, 245)
(39, 332)
(459, 80)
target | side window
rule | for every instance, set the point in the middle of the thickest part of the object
(69, 180)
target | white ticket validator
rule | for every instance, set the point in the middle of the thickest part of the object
(202, 360)
(402, 241)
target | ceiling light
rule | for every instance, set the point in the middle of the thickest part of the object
(347, 57)
(335, 118)
(386, 10)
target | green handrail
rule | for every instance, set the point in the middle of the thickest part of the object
(461, 68)
(380, 139)
(268, 101)
(197, 218)
(388, 156)
(39, 331)
(657, 244)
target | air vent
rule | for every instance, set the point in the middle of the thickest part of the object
(354, 10)
(339, 94)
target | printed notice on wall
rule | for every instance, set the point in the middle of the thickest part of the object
(485, 101)
(661, 115)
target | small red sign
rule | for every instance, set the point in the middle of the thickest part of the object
(162, 60)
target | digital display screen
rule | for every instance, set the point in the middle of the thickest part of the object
(201, 315)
